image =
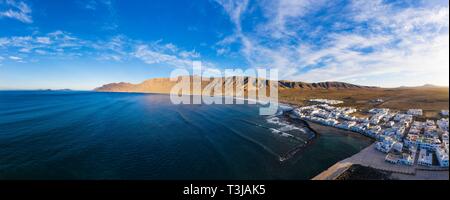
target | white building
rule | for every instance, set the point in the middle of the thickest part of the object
(397, 146)
(385, 146)
(375, 119)
(415, 112)
(428, 143)
(327, 101)
(443, 124)
(416, 127)
(379, 110)
(390, 124)
(411, 140)
(442, 156)
(377, 100)
(430, 122)
(400, 158)
(403, 118)
(392, 158)
(425, 158)
(444, 137)
(409, 156)
(407, 159)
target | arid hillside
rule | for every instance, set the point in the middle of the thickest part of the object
(431, 99)
(164, 85)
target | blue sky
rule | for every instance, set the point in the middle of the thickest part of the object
(82, 44)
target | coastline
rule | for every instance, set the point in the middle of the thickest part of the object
(341, 166)
(374, 159)
(367, 157)
(314, 126)
(377, 162)
(370, 159)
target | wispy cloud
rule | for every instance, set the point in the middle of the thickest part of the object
(369, 42)
(91, 5)
(64, 45)
(95, 4)
(58, 43)
(411, 45)
(15, 10)
(107, 5)
(284, 16)
(15, 58)
(167, 54)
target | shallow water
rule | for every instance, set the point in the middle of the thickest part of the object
(90, 135)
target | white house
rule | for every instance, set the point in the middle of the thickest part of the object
(443, 124)
(397, 146)
(385, 146)
(415, 112)
(442, 156)
(425, 158)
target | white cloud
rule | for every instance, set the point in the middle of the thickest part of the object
(43, 40)
(189, 54)
(41, 52)
(150, 56)
(283, 13)
(411, 45)
(57, 43)
(115, 49)
(91, 5)
(63, 45)
(154, 55)
(386, 42)
(171, 47)
(234, 9)
(16, 58)
(95, 4)
(16, 10)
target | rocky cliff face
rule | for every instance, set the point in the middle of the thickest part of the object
(165, 85)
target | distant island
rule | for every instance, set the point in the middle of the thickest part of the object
(57, 90)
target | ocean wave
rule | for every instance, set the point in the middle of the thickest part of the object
(281, 133)
(275, 130)
(284, 126)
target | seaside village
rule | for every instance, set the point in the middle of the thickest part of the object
(404, 140)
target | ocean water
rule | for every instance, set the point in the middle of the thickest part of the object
(90, 135)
